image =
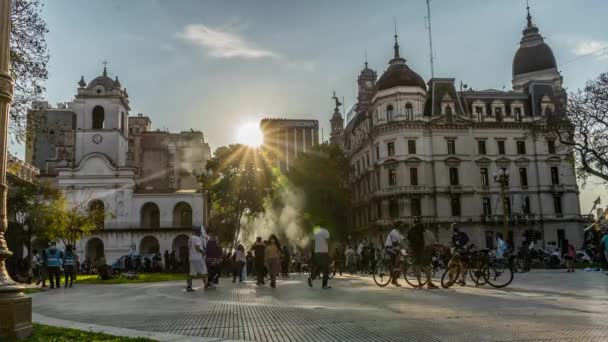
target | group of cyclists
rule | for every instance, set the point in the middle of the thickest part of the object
(413, 257)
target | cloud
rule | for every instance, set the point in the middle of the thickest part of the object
(223, 44)
(597, 48)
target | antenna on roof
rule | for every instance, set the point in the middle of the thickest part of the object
(428, 18)
(366, 58)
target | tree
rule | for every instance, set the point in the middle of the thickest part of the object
(239, 180)
(67, 222)
(322, 175)
(586, 124)
(28, 61)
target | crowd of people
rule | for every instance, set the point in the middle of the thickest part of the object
(51, 263)
(265, 259)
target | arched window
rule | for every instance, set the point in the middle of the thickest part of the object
(182, 215)
(150, 216)
(98, 117)
(409, 111)
(389, 113)
(149, 245)
(94, 249)
(97, 213)
(448, 113)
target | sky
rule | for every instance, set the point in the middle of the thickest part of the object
(217, 65)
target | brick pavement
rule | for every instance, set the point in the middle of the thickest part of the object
(572, 308)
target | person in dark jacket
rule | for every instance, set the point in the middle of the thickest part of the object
(258, 249)
(214, 260)
(285, 261)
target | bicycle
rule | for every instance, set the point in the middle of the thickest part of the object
(384, 271)
(481, 268)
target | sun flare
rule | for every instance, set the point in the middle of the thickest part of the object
(250, 134)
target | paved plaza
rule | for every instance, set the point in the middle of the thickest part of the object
(538, 306)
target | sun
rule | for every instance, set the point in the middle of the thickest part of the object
(250, 134)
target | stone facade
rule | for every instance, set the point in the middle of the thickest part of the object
(100, 157)
(429, 153)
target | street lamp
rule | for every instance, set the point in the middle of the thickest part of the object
(502, 178)
(15, 307)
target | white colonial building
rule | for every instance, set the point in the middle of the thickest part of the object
(428, 152)
(100, 157)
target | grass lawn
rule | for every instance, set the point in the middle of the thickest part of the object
(45, 333)
(143, 278)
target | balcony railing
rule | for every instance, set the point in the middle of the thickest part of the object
(403, 189)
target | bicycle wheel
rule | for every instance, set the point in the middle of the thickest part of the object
(382, 273)
(498, 274)
(450, 275)
(413, 275)
(476, 274)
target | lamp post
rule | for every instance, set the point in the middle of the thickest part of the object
(15, 307)
(502, 178)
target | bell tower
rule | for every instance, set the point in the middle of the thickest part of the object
(367, 87)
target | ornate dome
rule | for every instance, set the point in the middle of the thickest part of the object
(533, 53)
(104, 81)
(399, 74)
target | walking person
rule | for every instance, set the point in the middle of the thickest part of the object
(239, 262)
(258, 251)
(570, 256)
(272, 257)
(214, 259)
(196, 257)
(339, 259)
(321, 257)
(70, 260)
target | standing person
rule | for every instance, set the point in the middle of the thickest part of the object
(258, 250)
(36, 260)
(425, 259)
(196, 257)
(214, 260)
(392, 247)
(339, 259)
(285, 260)
(604, 247)
(321, 257)
(173, 261)
(272, 257)
(53, 264)
(239, 263)
(351, 259)
(249, 264)
(570, 255)
(167, 265)
(70, 260)
(459, 241)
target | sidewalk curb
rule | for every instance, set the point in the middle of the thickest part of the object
(158, 336)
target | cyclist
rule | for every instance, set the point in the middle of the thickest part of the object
(392, 247)
(460, 240)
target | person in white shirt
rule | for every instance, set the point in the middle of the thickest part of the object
(196, 254)
(321, 256)
(392, 246)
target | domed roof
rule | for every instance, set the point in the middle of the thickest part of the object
(533, 53)
(533, 58)
(103, 81)
(400, 75)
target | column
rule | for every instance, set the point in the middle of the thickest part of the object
(15, 307)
